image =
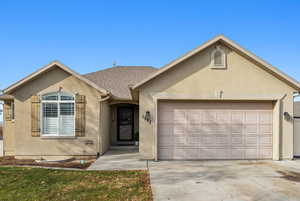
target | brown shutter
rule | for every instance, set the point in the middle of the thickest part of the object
(35, 116)
(80, 115)
(7, 111)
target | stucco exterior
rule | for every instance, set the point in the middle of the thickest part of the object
(9, 136)
(194, 79)
(37, 147)
(105, 120)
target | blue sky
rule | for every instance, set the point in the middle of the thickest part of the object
(90, 35)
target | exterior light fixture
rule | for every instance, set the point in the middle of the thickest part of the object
(147, 116)
(287, 116)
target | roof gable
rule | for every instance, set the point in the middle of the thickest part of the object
(266, 66)
(47, 68)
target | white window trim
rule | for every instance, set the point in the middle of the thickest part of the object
(212, 59)
(57, 135)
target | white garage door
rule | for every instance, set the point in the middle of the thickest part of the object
(214, 130)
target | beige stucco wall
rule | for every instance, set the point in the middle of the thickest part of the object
(105, 120)
(28, 146)
(194, 79)
(8, 136)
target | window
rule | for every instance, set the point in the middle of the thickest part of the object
(218, 58)
(58, 114)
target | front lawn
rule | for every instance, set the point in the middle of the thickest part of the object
(38, 184)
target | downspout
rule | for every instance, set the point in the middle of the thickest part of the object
(102, 99)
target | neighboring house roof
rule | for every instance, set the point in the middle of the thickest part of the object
(118, 79)
(46, 69)
(268, 67)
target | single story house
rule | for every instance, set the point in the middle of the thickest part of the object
(218, 101)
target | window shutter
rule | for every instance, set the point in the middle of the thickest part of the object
(80, 115)
(35, 116)
(7, 111)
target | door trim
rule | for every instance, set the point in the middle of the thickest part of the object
(118, 124)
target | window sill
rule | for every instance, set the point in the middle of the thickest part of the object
(218, 67)
(58, 137)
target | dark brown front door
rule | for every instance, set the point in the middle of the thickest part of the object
(125, 124)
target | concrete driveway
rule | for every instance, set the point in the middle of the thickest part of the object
(225, 180)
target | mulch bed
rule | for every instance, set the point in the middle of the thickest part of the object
(10, 160)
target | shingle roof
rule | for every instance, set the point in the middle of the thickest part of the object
(116, 79)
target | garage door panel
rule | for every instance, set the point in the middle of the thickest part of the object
(237, 153)
(223, 117)
(265, 129)
(251, 153)
(237, 140)
(251, 117)
(265, 140)
(251, 141)
(265, 117)
(194, 140)
(180, 141)
(251, 128)
(194, 129)
(180, 117)
(165, 129)
(237, 128)
(213, 130)
(194, 117)
(183, 153)
(237, 117)
(208, 140)
(166, 141)
(209, 117)
(223, 140)
(265, 153)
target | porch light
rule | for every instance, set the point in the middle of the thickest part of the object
(287, 116)
(147, 116)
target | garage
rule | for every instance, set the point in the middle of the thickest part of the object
(193, 130)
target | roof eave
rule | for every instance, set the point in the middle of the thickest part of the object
(6, 97)
(30, 77)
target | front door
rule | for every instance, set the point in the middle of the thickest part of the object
(125, 124)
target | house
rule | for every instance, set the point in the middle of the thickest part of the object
(218, 101)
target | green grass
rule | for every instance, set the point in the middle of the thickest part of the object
(38, 184)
